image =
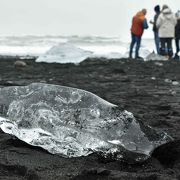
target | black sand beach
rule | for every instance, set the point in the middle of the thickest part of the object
(147, 89)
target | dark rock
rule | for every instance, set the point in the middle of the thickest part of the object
(168, 154)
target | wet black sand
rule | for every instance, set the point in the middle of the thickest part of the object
(144, 88)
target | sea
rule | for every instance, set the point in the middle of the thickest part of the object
(64, 49)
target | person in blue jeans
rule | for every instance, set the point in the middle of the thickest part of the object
(139, 23)
(155, 29)
(135, 40)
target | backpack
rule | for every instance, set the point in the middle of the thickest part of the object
(145, 24)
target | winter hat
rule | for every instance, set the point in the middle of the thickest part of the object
(165, 7)
(178, 14)
(157, 8)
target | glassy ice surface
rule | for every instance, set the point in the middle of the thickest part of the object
(73, 122)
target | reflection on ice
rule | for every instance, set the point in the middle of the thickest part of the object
(73, 122)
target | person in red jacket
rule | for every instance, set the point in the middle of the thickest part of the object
(139, 23)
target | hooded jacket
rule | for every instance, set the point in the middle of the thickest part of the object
(166, 23)
(139, 23)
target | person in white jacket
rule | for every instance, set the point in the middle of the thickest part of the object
(166, 23)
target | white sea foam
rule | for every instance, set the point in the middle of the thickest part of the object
(107, 47)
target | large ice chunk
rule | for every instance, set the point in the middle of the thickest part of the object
(73, 122)
(153, 56)
(63, 53)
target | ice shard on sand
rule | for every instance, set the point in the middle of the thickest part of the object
(73, 122)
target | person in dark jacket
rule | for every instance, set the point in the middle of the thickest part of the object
(177, 35)
(139, 23)
(155, 29)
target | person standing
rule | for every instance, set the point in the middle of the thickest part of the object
(177, 35)
(155, 29)
(139, 23)
(166, 23)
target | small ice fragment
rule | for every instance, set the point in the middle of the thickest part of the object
(175, 83)
(167, 80)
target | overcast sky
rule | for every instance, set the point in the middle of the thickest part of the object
(74, 17)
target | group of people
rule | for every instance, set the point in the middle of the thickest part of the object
(166, 27)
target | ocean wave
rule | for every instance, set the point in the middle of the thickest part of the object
(107, 47)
